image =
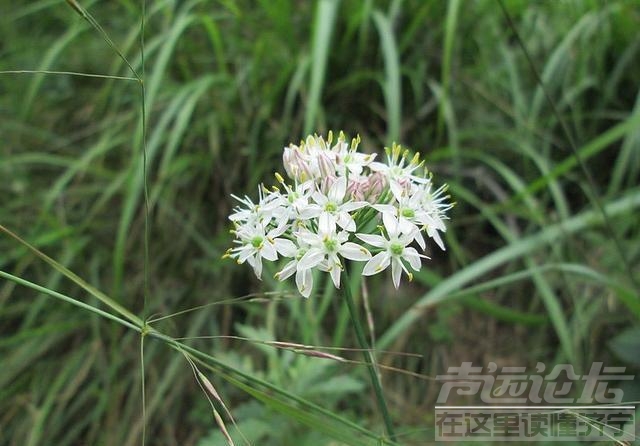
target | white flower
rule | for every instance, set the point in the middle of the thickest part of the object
(326, 246)
(354, 162)
(395, 250)
(333, 205)
(294, 203)
(347, 158)
(435, 205)
(397, 174)
(411, 213)
(255, 213)
(256, 243)
(304, 275)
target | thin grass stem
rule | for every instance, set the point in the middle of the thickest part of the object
(71, 73)
(77, 303)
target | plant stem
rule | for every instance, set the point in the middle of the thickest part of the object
(368, 356)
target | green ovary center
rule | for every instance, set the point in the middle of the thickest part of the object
(330, 207)
(330, 244)
(407, 213)
(256, 242)
(396, 248)
(395, 171)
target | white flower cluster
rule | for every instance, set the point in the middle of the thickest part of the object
(333, 211)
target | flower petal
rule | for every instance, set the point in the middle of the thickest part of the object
(374, 240)
(420, 239)
(396, 189)
(245, 252)
(335, 271)
(268, 251)
(338, 189)
(353, 251)
(256, 262)
(346, 222)
(279, 230)
(353, 205)
(311, 258)
(310, 211)
(286, 247)
(287, 271)
(396, 271)
(406, 227)
(385, 208)
(378, 263)
(319, 198)
(412, 256)
(390, 224)
(307, 237)
(326, 224)
(436, 236)
(304, 281)
(377, 166)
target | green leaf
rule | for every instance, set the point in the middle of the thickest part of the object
(627, 345)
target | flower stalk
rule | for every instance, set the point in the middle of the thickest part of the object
(369, 358)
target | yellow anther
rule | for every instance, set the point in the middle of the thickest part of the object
(396, 149)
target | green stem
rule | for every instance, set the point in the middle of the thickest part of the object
(368, 356)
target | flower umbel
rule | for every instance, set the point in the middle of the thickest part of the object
(325, 216)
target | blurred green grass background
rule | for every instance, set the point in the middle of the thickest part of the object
(532, 271)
